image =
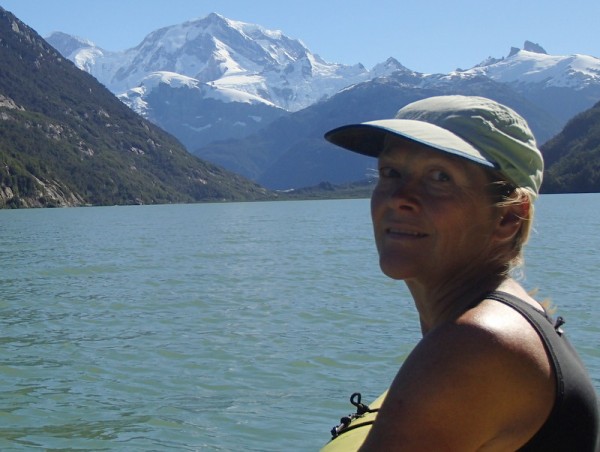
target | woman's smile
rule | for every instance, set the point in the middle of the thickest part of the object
(399, 233)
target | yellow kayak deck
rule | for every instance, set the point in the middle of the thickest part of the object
(351, 436)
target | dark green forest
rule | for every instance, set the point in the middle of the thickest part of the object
(573, 156)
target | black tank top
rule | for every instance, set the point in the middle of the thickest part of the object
(573, 422)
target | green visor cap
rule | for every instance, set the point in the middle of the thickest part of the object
(475, 128)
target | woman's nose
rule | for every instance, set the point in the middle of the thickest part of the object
(404, 195)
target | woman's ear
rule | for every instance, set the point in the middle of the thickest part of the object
(512, 216)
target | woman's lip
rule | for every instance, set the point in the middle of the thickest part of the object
(403, 232)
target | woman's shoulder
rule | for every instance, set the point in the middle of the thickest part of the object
(490, 366)
(493, 338)
(495, 333)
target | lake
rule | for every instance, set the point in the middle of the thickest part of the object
(242, 326)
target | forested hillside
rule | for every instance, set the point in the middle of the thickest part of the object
(573, 156)
(65, 140)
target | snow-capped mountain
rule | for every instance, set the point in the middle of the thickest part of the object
(243, 61)
(533, 65)
(563, 85)
(215, 79)
(299, 157)
(235, 61)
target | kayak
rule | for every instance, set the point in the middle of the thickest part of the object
(350, 434)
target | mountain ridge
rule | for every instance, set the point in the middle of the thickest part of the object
(212, 44)
(220, 52)
(66, 140)
(229, 115)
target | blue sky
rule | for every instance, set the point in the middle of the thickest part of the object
(424, 35)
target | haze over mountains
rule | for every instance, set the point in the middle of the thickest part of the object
(257, 102)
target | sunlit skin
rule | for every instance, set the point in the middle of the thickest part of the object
(434, 222)
(431, 215)
(437, 229)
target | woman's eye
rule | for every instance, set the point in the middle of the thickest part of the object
(440, 176)
(388, 172)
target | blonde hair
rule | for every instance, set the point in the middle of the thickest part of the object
(504, 194)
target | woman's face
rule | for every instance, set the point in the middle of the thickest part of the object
(433, 218)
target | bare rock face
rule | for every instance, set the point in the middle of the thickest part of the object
(532, 47)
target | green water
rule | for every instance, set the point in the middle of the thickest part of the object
(225, 326)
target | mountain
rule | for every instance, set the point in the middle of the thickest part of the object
(196, 113)
(256, 102)
(215, 78)
(573, 156)
(291, 152)
(66, 140)
(563, 85)
(232, 57)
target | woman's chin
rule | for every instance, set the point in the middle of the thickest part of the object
(395, 271)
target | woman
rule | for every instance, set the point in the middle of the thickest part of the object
(452, 208)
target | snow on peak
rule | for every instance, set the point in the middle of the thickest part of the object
(172, 79)
(68, 44)
(533, 64)
(248, 28)
(228, 54)
(135, 97)
(390, 65)
(248, 63)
